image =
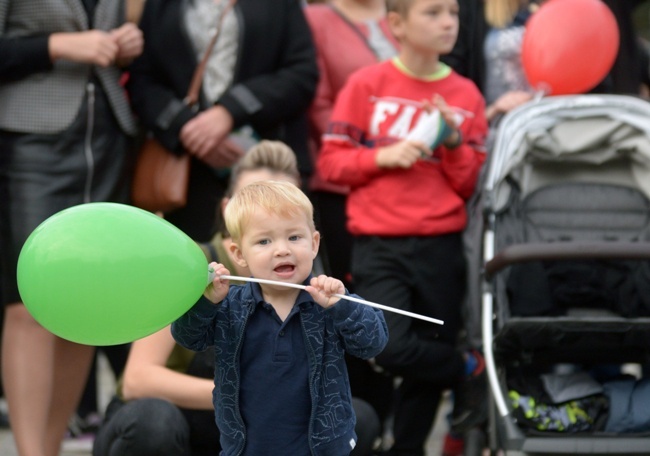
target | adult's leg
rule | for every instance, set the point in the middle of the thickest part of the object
(418, 275)
(371, 386)
(143, 427)
(89, 415)
(335, 238)
(43, 376)
(416, 407)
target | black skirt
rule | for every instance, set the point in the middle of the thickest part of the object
(42, 174)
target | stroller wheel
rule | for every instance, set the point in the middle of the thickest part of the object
(474, 442)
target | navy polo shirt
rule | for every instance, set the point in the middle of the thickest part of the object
(274, 400)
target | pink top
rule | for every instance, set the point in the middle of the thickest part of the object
(340, 51)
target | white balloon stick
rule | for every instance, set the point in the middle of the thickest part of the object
(342, 296)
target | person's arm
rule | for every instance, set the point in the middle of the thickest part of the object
(343, 159)
(21, 57)
(461, 164)
(146, 375)
(267, 99)
(506, 103)
(195, 329)
(362, 328)
(166, 59)
(320, 110)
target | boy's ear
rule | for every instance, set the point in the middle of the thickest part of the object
(315, 243)
(236, 254)
(395, 23)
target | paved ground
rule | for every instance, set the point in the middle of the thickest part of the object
(107, 385)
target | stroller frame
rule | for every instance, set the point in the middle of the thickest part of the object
(507, 158)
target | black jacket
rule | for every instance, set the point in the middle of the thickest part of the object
(275, 75)
(274, 82)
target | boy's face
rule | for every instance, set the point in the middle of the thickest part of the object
(277, 248)
(430, 27)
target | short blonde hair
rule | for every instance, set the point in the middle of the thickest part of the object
(275, 197)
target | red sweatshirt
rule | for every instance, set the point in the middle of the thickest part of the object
(340, 51)
(378, 106)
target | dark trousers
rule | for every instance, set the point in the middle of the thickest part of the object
(336, 252)
(336, 241)
(424, 275)
(155, 427)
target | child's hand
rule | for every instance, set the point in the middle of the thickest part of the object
(402, 154)
(217, 290)
(322, 288)
(449, 116)
(448, 113)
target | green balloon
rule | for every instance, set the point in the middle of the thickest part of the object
(107, 273)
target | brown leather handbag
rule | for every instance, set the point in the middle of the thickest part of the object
(161, 177)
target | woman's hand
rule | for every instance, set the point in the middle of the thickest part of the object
(130, 43)
(205, 137)
(95, 47)
(507, 102)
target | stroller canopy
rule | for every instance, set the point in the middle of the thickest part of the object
(564, 135)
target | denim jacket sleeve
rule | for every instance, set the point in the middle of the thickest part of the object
(362, 328)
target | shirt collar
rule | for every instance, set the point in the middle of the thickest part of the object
(303, 296)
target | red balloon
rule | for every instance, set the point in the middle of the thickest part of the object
(569, 46)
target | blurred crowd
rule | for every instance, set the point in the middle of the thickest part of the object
(84, 82)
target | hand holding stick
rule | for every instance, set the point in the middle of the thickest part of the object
(349, 298)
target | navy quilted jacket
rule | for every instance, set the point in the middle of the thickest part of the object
(350, 327)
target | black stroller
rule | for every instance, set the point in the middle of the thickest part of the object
(562, 278)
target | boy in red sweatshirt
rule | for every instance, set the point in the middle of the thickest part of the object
(406, 209)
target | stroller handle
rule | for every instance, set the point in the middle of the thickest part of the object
(520, 253)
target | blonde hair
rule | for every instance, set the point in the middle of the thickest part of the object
(280, 198)
(500, 13)
(400, 7)
(274, 156)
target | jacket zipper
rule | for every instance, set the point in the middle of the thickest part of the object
(311, 386)
(239, 344)
(88, 144)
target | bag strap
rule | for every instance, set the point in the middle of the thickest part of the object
(354, 28)
(192, 96)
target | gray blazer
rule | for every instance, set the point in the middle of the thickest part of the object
(47, 102)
